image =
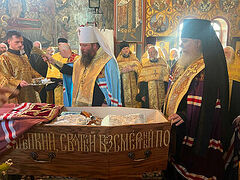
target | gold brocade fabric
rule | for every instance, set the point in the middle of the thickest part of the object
(154, 71)
(53, 72)
(181, 86)
(16, 68)
(132, 61)
(58, 94)
(156, 94)
(129, 81)
(84, 78)
(177, 72)
(155, 74)
(234, 69)
(233, 73)
(144, 58)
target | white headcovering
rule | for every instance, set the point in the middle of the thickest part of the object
(91, 34)
(86, 35)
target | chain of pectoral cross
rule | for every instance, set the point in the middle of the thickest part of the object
(83, 77)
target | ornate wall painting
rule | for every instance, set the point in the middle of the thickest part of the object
(129, 20)
(228, 5)
(47, 20)
(237, 34)
(15, 8)
(180, 9)
(159, 23)
(107, 20)
(239, 25)
(15, 16)
(160, 5)
(205, 5)
(165, 46)
(181, 5)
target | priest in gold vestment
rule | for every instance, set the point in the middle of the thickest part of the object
(129, 67)
(153, 80)
(151, 41)
(17, 72)
(55, 91)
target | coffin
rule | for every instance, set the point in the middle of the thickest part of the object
(94, 151)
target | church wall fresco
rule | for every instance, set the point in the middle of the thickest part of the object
(47, 20)
(129, 20)
(164, 16)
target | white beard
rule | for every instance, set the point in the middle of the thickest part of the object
(229, 60)
(188, 58)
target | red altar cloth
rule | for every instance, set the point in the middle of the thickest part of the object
(17, 119)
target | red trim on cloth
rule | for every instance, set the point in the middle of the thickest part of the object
(190, 176)
(194, 100)
(102, 84)
(18, 122)
(188, 141)
(218, 103)
(72, 57)
(113, 101)
(215, 144)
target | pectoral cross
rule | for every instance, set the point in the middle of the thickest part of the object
(155, 73)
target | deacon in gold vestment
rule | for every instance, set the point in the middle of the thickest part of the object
(129, 67)
(153, 80)
(17, 71)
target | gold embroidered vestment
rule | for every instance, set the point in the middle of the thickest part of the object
(129, 79)
(155, 74)
(16, 68)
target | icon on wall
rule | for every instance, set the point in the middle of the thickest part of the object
(159, 23)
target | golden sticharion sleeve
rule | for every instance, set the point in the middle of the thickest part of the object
(6, 78)
(138, 66)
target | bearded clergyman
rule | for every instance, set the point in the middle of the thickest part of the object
(197, 106)
(95, 75)
(153, 80)
(130, 67)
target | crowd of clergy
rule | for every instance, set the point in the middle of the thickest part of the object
(144, 82)
(198, 91)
